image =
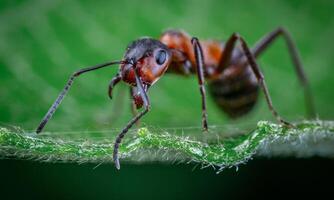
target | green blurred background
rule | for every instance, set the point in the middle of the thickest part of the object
(43, 42)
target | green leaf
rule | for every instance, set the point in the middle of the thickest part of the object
(309, 138)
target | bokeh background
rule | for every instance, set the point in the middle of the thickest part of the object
(42, 42)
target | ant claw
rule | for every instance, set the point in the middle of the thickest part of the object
(287, 124)
(117, 165)
(205, 127)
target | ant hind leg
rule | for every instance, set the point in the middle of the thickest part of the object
(267, 40)
(252, 62)
(226, 59)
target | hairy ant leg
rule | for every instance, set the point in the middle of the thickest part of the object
(146, 102)
(200, 75)
(266, 41)
(133, 104)
(255, 68)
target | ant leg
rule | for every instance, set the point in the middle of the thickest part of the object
(200, 75)
(259, 76)
(63, 93)
(133, 105)
(267, 40)
(112, 83)
(227, 54)
(147, 105)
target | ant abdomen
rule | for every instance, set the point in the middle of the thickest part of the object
(236, 91)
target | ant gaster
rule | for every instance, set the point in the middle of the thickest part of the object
(232, 72)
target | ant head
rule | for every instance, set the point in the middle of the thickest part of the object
(149, 56)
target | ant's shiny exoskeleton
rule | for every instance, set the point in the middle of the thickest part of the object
(232, 72)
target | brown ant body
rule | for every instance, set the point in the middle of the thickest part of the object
(232, 72)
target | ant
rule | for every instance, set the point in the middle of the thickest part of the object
(231, 70)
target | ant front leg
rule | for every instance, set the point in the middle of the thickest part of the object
(267, 40)
(230, 46)
(133, 104)
(200, 75)
(147, 105)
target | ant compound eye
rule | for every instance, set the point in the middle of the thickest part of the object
(160, 57)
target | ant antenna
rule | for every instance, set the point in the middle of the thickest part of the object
(68, 85)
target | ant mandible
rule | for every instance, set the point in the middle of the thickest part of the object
(232, 72)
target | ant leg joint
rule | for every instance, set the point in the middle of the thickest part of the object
(148, 108)
(236, 35)
(288, 124)
(281, 29)
(194, 39)
(261, 79)
(77, 73)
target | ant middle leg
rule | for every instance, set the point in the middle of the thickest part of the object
(200, 75)
(267, 40)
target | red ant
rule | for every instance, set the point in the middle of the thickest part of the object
(232, 72)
